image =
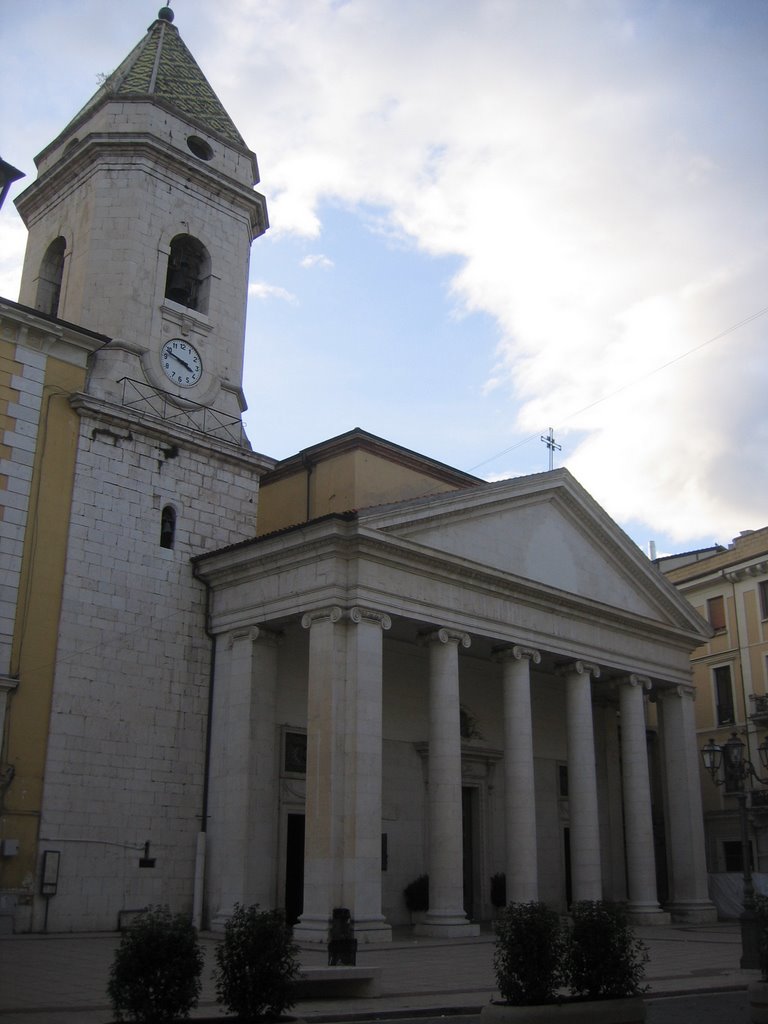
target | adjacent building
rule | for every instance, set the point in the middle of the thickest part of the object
(729, 588)
(298, 683)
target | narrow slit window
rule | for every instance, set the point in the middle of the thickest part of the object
(51, 276)
(168, 527)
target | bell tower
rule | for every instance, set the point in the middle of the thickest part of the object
(140, 226)
(130, 332)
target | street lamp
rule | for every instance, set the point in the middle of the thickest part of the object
(8, 174)
(728, 767)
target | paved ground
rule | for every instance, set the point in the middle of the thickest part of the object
(61, 979)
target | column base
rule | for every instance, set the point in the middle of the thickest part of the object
(447, 926)
(647, 913)
(693, 912)
(316, 929)
(374, 929)
(218, 922)
(311, 929)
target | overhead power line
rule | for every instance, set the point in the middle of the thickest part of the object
(628, 384)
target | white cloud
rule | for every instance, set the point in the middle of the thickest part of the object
(264, 290)
(596, 174)
(13, 239)
(317, 259)
(603, 188)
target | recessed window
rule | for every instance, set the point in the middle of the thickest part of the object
(51, 275)
(762, 588)
(295, 761)
(723, 695)
(189, 272)
(168, 527)
(716, 613)
(199, 147)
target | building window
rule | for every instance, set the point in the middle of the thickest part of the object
(762, 588)
(716, 613)
(723, 695)
(733, 857)
(562, 781)
(51, 275)
(168, 527)
(189, 273)
(295, 753)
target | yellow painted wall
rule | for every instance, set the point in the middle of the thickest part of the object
(342, 482)
(37, 619)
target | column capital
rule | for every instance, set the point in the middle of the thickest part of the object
(680, 690)
(632, 679)
(517, 653)
(247, 633)
(447, 636)
(579, 668)
(357, 614)
(333, 612)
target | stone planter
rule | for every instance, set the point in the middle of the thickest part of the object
(758, 1002)
(582, 1011)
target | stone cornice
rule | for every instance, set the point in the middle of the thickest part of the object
(56, 338)
(342, 537)
(85, 161)
(111, 416)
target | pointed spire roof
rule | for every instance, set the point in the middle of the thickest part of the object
(162, 69)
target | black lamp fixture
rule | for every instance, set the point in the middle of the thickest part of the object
(728, 767)
(8, 174)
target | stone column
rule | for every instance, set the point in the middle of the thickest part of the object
(324, 814)
(582, 782)
(342, 861)
(361, 889)
(241, 828)
(643, 906)
(519, 787)
(689, 894)
(446, 915)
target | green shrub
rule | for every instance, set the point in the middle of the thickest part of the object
(417, 894)
(605, 960)
(529, 954)
(256, 963)
(155, 973)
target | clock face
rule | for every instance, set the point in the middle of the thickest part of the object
(181, 363)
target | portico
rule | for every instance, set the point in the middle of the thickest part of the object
(471, 672)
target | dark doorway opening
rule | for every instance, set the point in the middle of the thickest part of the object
(468, 826)
(294, 868)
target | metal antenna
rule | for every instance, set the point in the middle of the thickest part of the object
(549, 441)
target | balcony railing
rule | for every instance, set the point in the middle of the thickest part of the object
(170, 409)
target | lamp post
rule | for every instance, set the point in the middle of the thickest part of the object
(728, 767)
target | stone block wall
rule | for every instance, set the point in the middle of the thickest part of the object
(126, 751)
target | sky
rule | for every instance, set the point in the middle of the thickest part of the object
(488, 218)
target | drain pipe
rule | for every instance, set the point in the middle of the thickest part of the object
(200, 850)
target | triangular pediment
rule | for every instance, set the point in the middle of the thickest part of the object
(545, 529)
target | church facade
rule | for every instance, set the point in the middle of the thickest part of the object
(300, 684)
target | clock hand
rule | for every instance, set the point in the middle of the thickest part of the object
(186, 366)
